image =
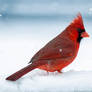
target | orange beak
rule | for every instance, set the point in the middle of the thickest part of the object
(84, 34)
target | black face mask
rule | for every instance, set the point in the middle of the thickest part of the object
(79, 34)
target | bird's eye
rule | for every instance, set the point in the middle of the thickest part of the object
(80, 30)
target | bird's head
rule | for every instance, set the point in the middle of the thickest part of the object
(76, 29)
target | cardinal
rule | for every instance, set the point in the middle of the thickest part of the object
(59, 52)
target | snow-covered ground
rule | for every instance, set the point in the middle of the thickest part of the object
(39, 81)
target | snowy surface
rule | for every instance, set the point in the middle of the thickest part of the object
(40, 81)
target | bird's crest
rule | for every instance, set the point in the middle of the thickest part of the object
(78, 22)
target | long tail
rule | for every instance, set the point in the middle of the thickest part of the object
(21, 72)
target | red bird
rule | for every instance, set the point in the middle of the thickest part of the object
(59, 52)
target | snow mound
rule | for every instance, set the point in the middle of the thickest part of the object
(40, 81)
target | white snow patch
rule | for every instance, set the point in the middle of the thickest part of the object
(0, 15)
(60, 50)
(40, 81)
(90, 11)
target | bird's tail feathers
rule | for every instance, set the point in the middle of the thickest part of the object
(21, 72)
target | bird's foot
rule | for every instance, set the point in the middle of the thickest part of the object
(59, 71)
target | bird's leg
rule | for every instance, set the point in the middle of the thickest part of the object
(59, 71)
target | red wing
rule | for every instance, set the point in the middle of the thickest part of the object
(54, 50)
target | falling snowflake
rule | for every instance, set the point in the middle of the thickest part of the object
(0, 15)
(60, 50)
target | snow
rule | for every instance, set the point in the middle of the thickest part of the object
(90, 11)
(0, 15)
(40, 81)
(60, 50)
